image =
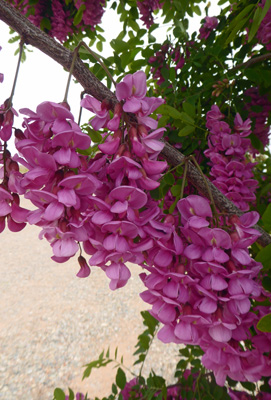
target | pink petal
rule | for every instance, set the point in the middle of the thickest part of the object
(64, 248)
(220, 334)
(54, 211)
(67, 197)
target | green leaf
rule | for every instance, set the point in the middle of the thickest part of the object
(267, 283)
(79, 15)
(187, 130)
(259, 15)
(120, 378)
(186, 118)
(169, 178)
(162, 121)
(165, 109)
(176, 190)
(45, 24)
(264, 256)
(244, 13)
(59, 394)
(267, 218)
(189, 109)
(114, 389)
(149, 321)
(196, 9)
(14, 39)
(95, 136)
(256, 143)
(234, 31)
(71, 394)
(99, 46)
(119, 45)
(151, 39)
(133, 24)
(264, 325)
(218, 393)
(249, 386)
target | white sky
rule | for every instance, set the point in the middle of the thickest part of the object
(42, 79)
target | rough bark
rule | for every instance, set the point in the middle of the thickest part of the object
(35, 37)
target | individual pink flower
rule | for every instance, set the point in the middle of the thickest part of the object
(6, 121)
(84, 268)
(132, 89)
(98, 108)
(209, 25)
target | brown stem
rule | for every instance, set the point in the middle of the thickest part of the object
(16, 74)
(75, 54)
(34, 36)
(37, 38)
(250, 62)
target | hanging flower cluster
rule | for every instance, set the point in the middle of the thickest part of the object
(203, 295)
(231, 170)
(241, 395)
(10, 211)
(1, 75)
(146, 9)
(57, 17)
(96, 201)
(209, 25)
(264, 31)
(175, 54)
(261, 127)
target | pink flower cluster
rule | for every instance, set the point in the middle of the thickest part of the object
(6, 120)
(260, 118)
(100, 202)
(1, 75)
(231, 170)
(209, 25)
(264, 31)
(93, 12)
(78, 396)
(173, 392)
(161, 57)
(10, 211)
(146, 8)
(203, 292)
(241, 395)
(57, 16)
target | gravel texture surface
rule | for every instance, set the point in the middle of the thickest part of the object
(52, 323)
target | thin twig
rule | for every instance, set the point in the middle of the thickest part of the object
(250, 62)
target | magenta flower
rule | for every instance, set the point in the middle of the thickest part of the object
(98, 108)
(132, 89)
(84, 268)
(118, 273)
(6, 121)
(209, 25)
(194, 206)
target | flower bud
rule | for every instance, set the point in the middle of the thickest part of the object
(84, 268)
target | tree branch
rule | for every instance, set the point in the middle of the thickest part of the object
(39, 39)
(250, 62)
(34, 36)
